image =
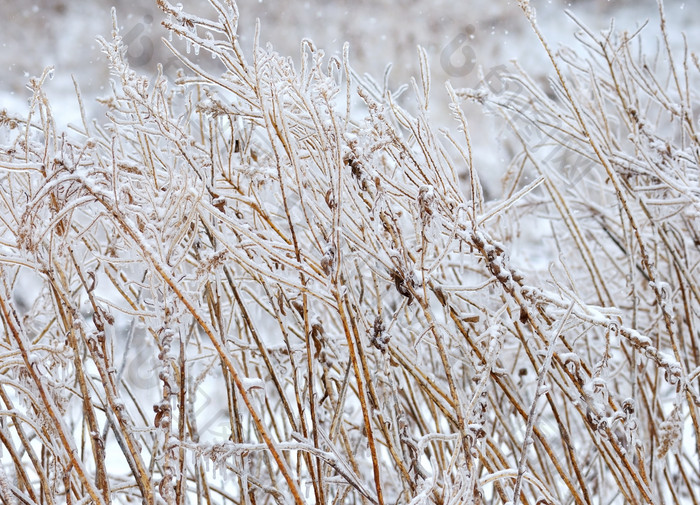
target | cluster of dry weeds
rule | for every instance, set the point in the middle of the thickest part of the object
(290, 244)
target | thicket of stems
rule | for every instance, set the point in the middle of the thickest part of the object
(328, 302)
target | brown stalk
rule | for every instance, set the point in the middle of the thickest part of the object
(62, 431)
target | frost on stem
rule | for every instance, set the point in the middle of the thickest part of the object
(241, 285)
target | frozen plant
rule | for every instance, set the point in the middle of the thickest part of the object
(329, 308)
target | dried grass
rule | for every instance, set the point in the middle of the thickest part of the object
(342, 298)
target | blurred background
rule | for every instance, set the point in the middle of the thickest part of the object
(464, 41)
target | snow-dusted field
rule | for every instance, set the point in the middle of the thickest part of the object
(282, 276)
(461, 38)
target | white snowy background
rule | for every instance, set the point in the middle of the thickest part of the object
(63, 33)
